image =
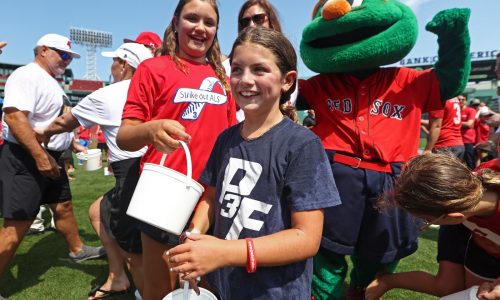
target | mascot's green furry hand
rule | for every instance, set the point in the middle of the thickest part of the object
(453, 66)
(450, 22)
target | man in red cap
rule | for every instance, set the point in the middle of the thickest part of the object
(149, 39)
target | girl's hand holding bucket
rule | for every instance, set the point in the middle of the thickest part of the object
(202, 255)
(164, 135)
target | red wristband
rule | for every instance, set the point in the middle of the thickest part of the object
(251, 257)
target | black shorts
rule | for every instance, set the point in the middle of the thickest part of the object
(159, 235)
(23, 188)
(455, 245)
(102, 146)
(67, 154)
(123, 228)
(480, 263)
(105, 211)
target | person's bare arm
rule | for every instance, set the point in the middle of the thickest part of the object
(204, 214)
(434, 130)
(207, 253)
(162, 134)
(77, 147)
(65, 123)
(448, 280)
(468, 124)
(23, 132)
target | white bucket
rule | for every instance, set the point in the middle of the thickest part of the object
(91, 160)
(164, 197)
(185, 294)
(468, 294)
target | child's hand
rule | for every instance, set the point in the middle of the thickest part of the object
(489, 290)
(201, 256)
(376, 288)
(165, 134)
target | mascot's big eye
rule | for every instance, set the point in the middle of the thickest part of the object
(334, 9)
(355, 3)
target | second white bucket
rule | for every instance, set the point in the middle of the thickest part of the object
(164, 197)
(91, 160)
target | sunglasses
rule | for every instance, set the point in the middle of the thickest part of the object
(257, 19)
(62, 54)
(426, 224)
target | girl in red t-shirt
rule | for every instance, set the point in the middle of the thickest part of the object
(182, 94)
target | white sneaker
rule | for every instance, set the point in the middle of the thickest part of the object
(34, 230)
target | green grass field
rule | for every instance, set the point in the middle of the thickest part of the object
(41, 269)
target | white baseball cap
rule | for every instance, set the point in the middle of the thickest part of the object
(132, 53)
(58, 42)
(485, 111)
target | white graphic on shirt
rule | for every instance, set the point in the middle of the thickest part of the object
(458, 117)
(393, 111)
(233, 198)
(197, 98)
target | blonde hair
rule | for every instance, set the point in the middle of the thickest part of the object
(170, 45)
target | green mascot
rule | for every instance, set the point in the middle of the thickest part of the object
(368, 119)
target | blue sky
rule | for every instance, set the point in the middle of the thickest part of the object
(23, 22)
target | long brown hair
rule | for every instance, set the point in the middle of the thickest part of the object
(280, 47)
(170, 45)
(437, 184)
(274, 22)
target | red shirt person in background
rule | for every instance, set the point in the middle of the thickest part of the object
(468, 131)
(482, 133)
(444, 130)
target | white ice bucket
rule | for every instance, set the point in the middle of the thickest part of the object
(164, 197)
(468, 294)
(91, 160)
(188, 294)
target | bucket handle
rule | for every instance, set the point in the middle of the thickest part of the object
(188, 160)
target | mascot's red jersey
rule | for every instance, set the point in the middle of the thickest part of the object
(377, 118)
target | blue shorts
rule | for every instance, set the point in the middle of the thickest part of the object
(356, 227)
(456, 151)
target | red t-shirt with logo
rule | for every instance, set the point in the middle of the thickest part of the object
(377, 118)
(197, 99)
(468, 134)
(450, 134)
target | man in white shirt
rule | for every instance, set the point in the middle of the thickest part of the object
(30, 173)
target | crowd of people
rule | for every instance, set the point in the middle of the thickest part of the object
(283, 204)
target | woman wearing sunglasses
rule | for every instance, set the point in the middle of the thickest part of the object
(443, 191)
(260, 13)
(256, 13)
